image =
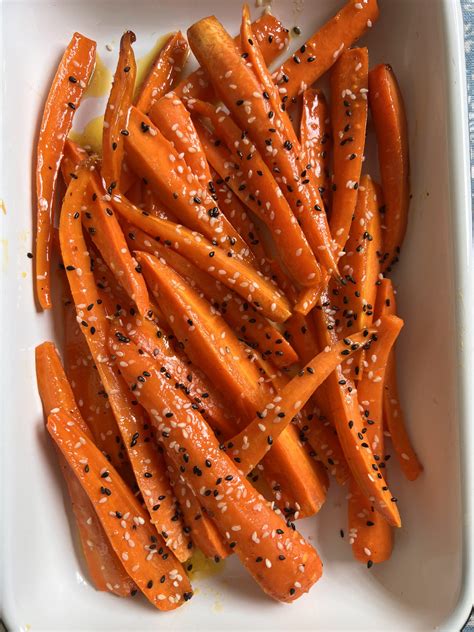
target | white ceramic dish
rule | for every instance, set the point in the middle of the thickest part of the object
(427, 583)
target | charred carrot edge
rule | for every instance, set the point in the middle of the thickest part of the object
(175, 123)
(217, 53)
(245, 320)
(202, 529)
(116, 112)
(206, 468)
(371, 534)
(164, 71)
(271, 35)
(325, 46)
(315, 139)
(388, 113)
(349, 106)
(252, 181)
(349, 425)
(392, 412)
(236, 274)
(126, 524)
(74, 154)
(143, 455)
(104, 567)
(255, 440)
(69, 83)
(105, 231)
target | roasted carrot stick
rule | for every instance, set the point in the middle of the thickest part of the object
(74, 154)
(233, 273)
(392, 412)
(240, 513)
(349, 86)
(315, 138)
(323, 48)
(388, 113)
(272, 37)
(136, 435)
(217, 53)
(255, 440)
(144, 555)
(152, 205)
(349, 425)
(116, 113)
(371, 533)
(69, 83)
(105, 569)
(165, 69)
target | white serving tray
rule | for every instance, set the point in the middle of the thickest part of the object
(427, 583)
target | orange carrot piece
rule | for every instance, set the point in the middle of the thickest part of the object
(388, 113)
(165, 69)
(152, 205)
(241, 514)
(394, 420)
(143, 455)
(255, 440)
(324, 47)
(315, 138)
(69, 83)
(217, 53)
(74, 154)
(272, 37)
(232, 272)
(349, 86)
(116, 113)
(127, 526)
(105, 569)
(342, 397)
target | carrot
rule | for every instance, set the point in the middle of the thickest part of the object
(251, 110)
(104, 567)
(143, 455)
(349, 85)
(126, 524)
(272, 37)
(165, 69)
(315, 138)
(283, 564)
(255, 440)
(235, 274)
(370, 532)
(324, 47)
(392, 412)
(252, 181)
(74, 154)
(152, 205)
(388, 113)
(342, 396)
(116, 113)
(69, 83)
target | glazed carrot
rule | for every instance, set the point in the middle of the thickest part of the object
(309, 297)
(69, 83)
(233, 273)
(217, 53)
(202, 529)
(152, 205)
(136, 435)
(135, 193)
(349, 86)
(323, 48)
(165, 69)
(252, 181)
(349, 425)
(255, 440)
(73, 155)
(388, 113)
(126, 524)
(241, 514)
(104, 567)
(392, 412)
(104, 229)
(371, 534)
(272, 37)
(315, 139)
(116, 113)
